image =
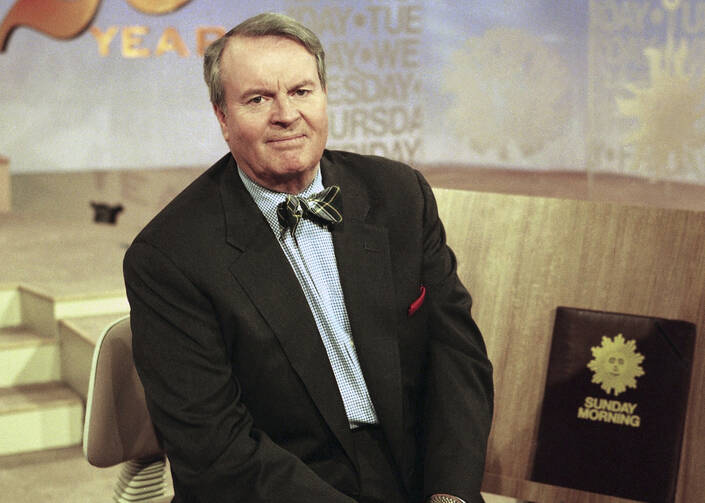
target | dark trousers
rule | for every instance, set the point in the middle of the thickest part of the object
(378, 474)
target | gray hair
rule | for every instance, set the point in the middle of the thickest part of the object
(262, 25)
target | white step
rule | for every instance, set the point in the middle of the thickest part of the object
(39, 416)
(41, 311)
(29, 306)
(10, 310)
(26, 357)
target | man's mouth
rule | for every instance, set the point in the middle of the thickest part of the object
(284, 140)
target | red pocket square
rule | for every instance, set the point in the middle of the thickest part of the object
(418, 302)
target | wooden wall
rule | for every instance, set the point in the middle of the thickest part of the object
(521, 257)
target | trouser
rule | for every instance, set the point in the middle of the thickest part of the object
(379, 480)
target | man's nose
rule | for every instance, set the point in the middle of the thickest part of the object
(284, 111)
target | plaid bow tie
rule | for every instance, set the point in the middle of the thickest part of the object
(322, 208)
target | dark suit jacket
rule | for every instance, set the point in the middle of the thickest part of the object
(237, 379)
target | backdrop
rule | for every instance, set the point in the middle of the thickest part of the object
(601, 85)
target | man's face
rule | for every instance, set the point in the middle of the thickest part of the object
(275, 120)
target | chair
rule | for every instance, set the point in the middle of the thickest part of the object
(118, 428)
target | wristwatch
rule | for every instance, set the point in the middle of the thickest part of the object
(445, 498)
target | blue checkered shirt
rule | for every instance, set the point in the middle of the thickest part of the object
(312, 257)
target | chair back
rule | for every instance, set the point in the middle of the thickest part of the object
(118, 427)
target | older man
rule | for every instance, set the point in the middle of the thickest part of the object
(298, 323)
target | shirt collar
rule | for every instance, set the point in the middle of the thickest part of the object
(268, 200)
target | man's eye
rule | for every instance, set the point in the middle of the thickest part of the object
(256, 99)
(302, 92)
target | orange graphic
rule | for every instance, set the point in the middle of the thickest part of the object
(68, 18)
(157, 6)
(57, 18)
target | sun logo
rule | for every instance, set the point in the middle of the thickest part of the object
(669, 112)
(616, 364)
(510, 93)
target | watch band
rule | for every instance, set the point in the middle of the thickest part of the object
(444, 498)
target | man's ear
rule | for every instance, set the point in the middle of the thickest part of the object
(221, 120)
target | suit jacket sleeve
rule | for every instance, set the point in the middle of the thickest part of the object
(459, 390)
(214, 450)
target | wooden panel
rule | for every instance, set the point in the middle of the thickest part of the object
(522, 256)
(607, 187)
(5, 201)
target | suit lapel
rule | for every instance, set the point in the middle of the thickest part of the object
(281, 301)
(369, 298)
(364, 263)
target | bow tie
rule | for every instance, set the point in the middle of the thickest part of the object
(322, 208)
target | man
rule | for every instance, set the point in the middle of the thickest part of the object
(304, 350)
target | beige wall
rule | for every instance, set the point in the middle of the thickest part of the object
(5, 200)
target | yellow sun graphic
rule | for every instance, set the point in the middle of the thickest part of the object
(670, 113)
(616, 364)
(510, 93)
